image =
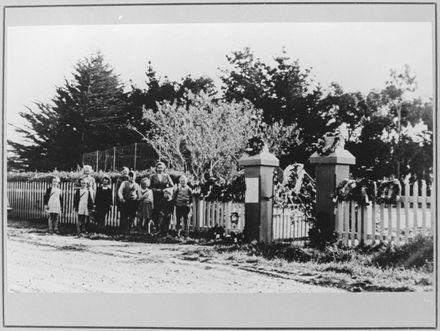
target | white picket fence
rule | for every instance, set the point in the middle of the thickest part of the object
(289, 223)
(410, 215)
(26, 201)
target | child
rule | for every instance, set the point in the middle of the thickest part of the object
(158, 182)
(129, 195)
(166, 210)
(183, 199)
(53, 204)
(103, 200)
(83, 205)
(122, 178)
(145, 210)
(91, 183)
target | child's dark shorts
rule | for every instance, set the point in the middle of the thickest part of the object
(182, 211)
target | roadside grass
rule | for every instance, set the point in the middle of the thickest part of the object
(382, 267)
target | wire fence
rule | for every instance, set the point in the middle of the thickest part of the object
(136, 156)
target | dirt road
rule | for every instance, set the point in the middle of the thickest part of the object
(37, 262)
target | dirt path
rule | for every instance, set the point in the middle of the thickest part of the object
(37, 262)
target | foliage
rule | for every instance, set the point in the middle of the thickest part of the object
(285, 94)
(396, 135)
(321, 234)
(297, 188)
(217, 189)
(362, 191)
(331, 141)
(417, 253)
(278, 137)
(85, 114)
(389, 191)
(254, 145)
(158, 90)
(203, 137)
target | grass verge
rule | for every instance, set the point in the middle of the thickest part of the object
(382, 267)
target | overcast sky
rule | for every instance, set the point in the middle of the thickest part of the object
(357, 55)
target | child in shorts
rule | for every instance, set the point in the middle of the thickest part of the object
(129, 195)
(166, 210)
(183, 200)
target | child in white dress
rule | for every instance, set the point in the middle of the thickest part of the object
(91, 183)
(53, 204)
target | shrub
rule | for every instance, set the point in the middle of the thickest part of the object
(321, 234)
(418, 252)
(284, 251)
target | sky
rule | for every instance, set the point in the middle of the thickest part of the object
(357, 55)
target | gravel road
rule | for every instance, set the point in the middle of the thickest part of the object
(37, 262)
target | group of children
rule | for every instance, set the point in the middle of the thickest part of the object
(153, 202)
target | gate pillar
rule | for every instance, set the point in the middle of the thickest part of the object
(259, 172)
(330, 170)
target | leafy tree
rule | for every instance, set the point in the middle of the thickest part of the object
(396, 133)
(385, 129)
(158, 90)
(85, 114)
(284, 92)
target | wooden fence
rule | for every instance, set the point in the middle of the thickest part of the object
(289, 223)
(26, 201)
(412, 214)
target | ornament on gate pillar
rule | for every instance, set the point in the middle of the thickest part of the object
(332, 141)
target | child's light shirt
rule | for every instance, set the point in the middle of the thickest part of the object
(54, 203)
(91, 184)
(146, 195)
(83, 201)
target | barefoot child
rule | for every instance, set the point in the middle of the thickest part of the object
(145, 210)
(183, 200)
(103, 201)
(166, 210)
(82, 204)
(53, 204)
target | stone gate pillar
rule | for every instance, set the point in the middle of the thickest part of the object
(330, 171)
(259, 172)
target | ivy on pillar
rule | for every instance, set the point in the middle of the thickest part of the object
(259, 172)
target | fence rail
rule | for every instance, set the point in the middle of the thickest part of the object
(26, 201)
(409, 216)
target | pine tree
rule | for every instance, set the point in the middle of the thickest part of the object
(87, 113)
